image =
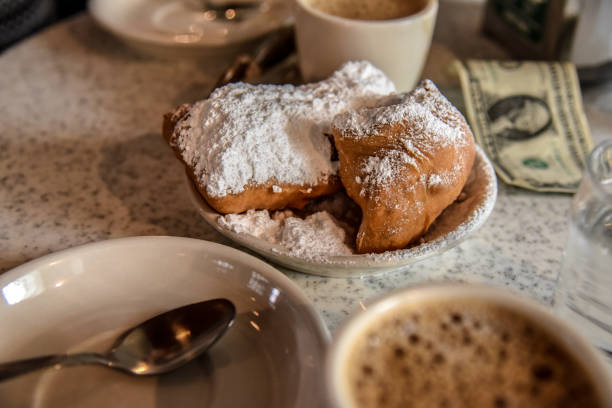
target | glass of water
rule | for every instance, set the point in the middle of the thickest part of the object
(584, 293)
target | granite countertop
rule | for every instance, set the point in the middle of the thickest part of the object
(83, 160)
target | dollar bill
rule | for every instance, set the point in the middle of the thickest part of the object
(528, 117)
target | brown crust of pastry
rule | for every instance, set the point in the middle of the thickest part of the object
(253, 197)
(385, 227)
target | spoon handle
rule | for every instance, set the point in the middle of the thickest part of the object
(15, 368)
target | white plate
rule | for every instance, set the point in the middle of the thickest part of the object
(81, 298)
(156, 26)
(456, 223)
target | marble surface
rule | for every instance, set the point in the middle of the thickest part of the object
(82, 160)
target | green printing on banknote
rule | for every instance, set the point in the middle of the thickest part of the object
(528, 117)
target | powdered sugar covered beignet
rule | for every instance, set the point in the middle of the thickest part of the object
(403, 164)
(266, 146)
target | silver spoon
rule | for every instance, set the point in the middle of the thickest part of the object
(158, 345)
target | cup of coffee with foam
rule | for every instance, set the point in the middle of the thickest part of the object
(394, 35)
(450, 345)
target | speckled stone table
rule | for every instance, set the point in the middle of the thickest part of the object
(82, 160)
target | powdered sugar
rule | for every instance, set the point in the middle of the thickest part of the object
(272, 134)
(382, 171)
(317, 234)
(259, 224)
(430, 114)
(314, 236)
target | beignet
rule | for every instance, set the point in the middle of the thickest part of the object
(403, 163)
(268, 146)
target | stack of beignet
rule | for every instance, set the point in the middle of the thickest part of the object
(403, 158)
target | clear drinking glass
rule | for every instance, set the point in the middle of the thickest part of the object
(584, 293)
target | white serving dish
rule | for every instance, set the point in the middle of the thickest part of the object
(455, 224)
(81, 298)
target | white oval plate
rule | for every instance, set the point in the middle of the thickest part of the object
(155, 26)
(456, 223)
(80, 299)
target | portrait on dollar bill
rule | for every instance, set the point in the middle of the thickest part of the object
(519, 117)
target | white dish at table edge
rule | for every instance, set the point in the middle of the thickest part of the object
(364, 264)
(133, 22)
(81, 298)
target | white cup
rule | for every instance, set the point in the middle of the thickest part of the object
(398, 47)
(417, 300)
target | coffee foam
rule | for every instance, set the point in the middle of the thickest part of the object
(464, 353)
(369, 9)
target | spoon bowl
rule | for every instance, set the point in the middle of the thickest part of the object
(156, 346)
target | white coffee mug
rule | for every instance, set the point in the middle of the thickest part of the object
(418, 298)
(399, 47)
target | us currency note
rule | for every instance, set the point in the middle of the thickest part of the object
(528, 117)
